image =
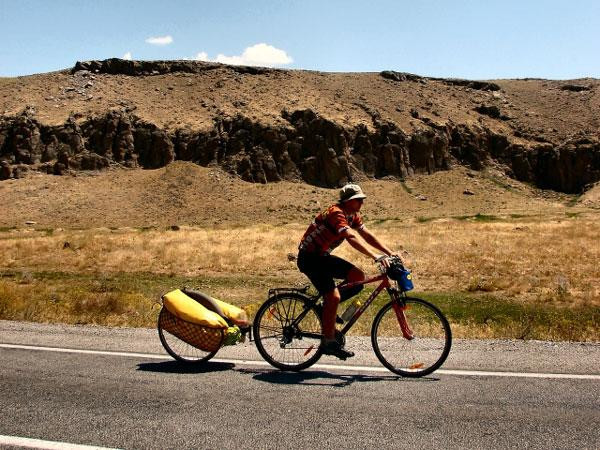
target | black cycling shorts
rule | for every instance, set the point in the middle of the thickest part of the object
(322, 269)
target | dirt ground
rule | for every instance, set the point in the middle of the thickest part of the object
(186, 194)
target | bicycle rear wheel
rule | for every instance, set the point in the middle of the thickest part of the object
(283, 343)
(411, 340)
(178, 349)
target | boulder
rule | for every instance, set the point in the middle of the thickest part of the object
(5, 170)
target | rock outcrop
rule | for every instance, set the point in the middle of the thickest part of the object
(311, 148)
(300, 143)
(116, 66)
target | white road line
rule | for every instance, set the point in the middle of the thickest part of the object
(17, 441)
(248, 362)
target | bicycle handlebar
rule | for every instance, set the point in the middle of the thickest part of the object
(392, 260)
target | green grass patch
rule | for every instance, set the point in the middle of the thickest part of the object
(114, 299)
(498, 182)
(132, 299)
(573, 201)
(406, 187)
(383, 220)
(484, 316)
(479, 218)
(572, 214)
(489, 316)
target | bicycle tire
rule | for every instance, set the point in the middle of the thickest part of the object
(276, 341)
(419, 356)
(180, 350)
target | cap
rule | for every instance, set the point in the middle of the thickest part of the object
(350, 192)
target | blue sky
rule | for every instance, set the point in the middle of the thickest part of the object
(467, 39)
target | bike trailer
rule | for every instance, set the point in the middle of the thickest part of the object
(200, 324)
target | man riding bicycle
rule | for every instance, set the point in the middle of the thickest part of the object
(341, 221)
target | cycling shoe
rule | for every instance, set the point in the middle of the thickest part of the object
(335, 349)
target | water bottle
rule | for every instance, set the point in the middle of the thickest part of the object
(350, 310)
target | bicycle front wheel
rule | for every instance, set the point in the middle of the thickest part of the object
(282, 340)
(413, 339)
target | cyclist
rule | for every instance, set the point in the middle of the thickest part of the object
(341, 221)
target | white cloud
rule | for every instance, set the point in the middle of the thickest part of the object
(256, 55)
(160, 40)
(127, 56)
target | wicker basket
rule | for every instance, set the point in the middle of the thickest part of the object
(204, 338)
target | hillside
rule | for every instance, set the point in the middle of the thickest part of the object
(121, 180)
(184, 193)
(324, 129)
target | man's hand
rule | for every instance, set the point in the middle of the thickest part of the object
(384, 260)
(397, 255)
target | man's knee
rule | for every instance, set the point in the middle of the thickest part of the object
(332, 296)
(356, 274)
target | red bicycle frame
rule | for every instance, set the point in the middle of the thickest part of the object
(398, 307)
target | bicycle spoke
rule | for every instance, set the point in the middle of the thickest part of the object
(177, 348)
(265, 327)
(282, 339)
(411, 341)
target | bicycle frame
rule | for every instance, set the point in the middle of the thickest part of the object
(385, 284)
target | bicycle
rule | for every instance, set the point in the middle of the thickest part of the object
(410, 336)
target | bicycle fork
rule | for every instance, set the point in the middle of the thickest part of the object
(399, 308)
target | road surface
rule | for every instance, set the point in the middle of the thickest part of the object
(117, 388)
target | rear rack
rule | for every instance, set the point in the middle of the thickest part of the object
(292, 290)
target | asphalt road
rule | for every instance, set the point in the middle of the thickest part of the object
(138, 400)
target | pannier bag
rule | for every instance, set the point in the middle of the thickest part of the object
(399, 273)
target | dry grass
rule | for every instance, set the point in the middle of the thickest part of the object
(528, 261)
(75, 303)
(525, 264)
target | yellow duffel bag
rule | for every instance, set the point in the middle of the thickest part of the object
(231, 312)
(189, 310)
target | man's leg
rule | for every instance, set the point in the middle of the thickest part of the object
(331, 301)
(355, 274)
(321, 270)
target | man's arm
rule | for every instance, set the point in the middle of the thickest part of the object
(353, 239)
(373, 241)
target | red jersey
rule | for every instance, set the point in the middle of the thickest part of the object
(323, 234)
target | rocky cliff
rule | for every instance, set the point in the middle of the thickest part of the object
(409, 125)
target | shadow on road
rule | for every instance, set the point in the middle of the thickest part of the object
(179, 367)
(321, 378)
